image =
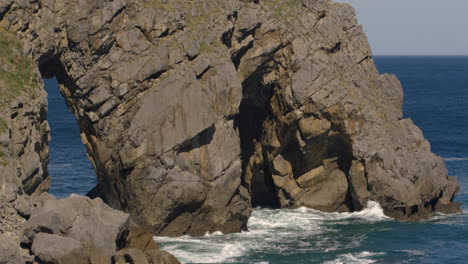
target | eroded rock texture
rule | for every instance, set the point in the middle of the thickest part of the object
(80, 230)
(34, 226)
(193, 111)
(24, 130)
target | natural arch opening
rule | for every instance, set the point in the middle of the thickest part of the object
(69, 166)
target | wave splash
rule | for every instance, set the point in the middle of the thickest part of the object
(279, 231)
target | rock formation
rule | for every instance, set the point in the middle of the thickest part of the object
(78, 230)
(34, 226)
(192, 112)
(24, 130)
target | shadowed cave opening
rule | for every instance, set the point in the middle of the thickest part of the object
(254, 110)
(69, 166)
(263, 138)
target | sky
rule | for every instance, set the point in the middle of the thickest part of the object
(414, 27)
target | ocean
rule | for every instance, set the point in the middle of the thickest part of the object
(436, 98)
(69, 166)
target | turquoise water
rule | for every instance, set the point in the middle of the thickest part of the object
(436, 98)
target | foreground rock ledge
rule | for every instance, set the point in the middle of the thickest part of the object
(78, 230)
(192, 112)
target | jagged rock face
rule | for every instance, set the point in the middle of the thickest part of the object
(24, 130)
(193, 111)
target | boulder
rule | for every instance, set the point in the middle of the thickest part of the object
(9, 251)
(139, 238)
(156, 256)
(79, 230)
(131, 255)
(90, 222)
(53, 248)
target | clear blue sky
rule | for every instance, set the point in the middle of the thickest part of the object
(414, 27)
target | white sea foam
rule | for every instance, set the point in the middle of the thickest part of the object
(282, 232)
(414, 252)
(455, 159)
(66, 165)
(198, 250)
(364, 257)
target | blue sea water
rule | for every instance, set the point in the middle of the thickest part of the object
(436, 98)
(69, 166)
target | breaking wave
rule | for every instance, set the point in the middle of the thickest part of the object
(285, 232)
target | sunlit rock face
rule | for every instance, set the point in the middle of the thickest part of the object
(192, 112)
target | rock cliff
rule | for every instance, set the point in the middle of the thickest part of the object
(192, 112)
(34, 226)
(24, 130)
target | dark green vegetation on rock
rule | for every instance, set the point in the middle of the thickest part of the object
(192, 112)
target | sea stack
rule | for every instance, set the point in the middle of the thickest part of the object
(193, 112)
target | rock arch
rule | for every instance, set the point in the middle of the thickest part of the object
(193, 111)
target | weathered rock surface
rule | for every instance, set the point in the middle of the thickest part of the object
(73, 230)
(24, 130)
(9, 250)
(24, 137)
(80, 230)
(91, 222)
(193, 111)
(52, 248)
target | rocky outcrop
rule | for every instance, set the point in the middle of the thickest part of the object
(24, 137)
(80, 230)
(192, 112)
(34, 226)
(24, 130)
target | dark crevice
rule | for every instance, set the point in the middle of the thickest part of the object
(333, 49)
(104, 48)
(164, 34)
(199, 76)
(97, 192)
(322, 14)
(49, 65)
(232, 16)
(116, 14)
(253, 112)
(236, 57)
(192, 58)
(246, 33)
(128, 259)
(4, 10)
(226, 38)
(203, 138)
(364, 59)
(250, 124)
(155, 76)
